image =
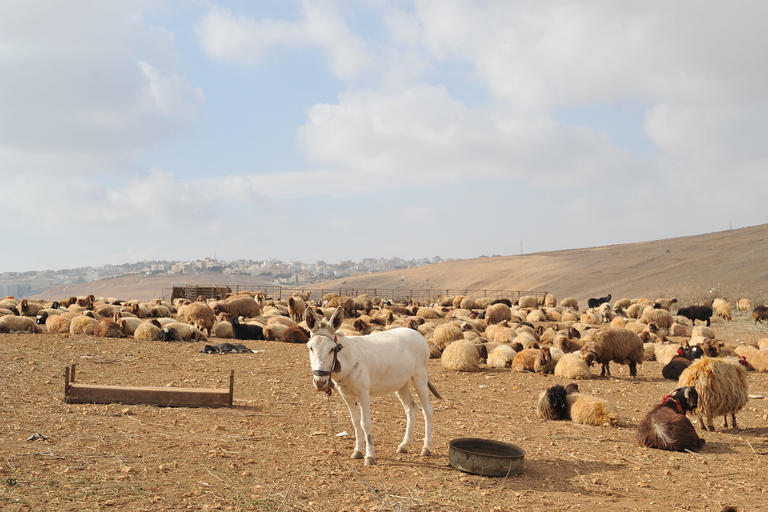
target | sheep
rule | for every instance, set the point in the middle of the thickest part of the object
(619, 345)
(568, 316)
(528, 301)
(618, 322)
(660, 317)
(468, 303)
(461, 355)
(296, 308)
(177, 331)
(723, 310)
(550, 300)
(149, 330)
(743, 304)
(427, 313)
(501, 356)
(759, 361)
(662, 303)
(675, 367)
(664, 352)
(27, 308)
(128, 325)
(693, 313)
(82, 325)
(275, 331)
(552, 404)
(457, 301)
(722, 388)
(590, 410)
(445, 334)
(566, 344)
(635, 310)
(497, 313)
(108, 328)
(246, 331)
(238, 306)
(295, 334)
(760, 313)
(570, 302)
(57, 324)
(13, 323)
(223, 329)
(534, 360)
(762, 343)
(621, 304)
(572, 366)
(200, 315)
(666, 426)
(10, 311)
(593, 303)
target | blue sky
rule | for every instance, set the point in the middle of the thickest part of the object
(340, 130)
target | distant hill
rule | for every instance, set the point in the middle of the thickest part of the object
(731, 263)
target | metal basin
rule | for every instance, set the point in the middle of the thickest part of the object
(485, 457)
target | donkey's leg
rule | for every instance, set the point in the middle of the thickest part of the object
(420, 383)
(354, 411)
(404, 394)
(365, 422)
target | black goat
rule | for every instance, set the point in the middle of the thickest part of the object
(694, 313)
(593, 303)
(667, 428)
(760, 313)
(691, 353)
(246, 331)
(675, 367)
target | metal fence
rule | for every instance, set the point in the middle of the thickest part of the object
(274, 292)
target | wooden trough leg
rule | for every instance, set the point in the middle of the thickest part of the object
(231, 386)
(66, 383)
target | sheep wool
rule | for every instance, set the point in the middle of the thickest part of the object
(649, 351)
(589, 410)
(497, 313)
(445, 334)
(57, 324)
(223, 330)
(13, 323)
(762, 343)
(528, 301)
(536, 315)
(501, 356)
(427, 313)
(759, 360)
(722, 388)
(82, 325)
(149, 330)
(664, 352)
(660, 317)
(572, 366)
(461, 356)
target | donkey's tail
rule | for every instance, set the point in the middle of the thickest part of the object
(433, 389)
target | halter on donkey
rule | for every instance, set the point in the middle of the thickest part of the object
(361, 366)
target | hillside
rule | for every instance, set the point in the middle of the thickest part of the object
(728, 262)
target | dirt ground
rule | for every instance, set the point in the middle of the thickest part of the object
(284, 446)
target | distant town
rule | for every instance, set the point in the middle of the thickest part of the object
(20, 284)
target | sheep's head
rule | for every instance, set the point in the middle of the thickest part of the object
(686, 397)
(40, 320)
(56, 305)
(589, 356)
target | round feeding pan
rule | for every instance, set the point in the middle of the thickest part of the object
(485, 457)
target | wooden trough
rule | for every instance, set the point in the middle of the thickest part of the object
(145, 395)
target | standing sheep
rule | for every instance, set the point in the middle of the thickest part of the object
(296, 308)
(760, 313)
(618, 345)
(200, 315)
(721, 386)
(570, 302)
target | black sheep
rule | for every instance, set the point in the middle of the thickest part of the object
(502, 301)
(246, 331)
(41, 318)
(552, 404)
(593, 303)
(694, 313)
(675, 367)
(667, 428)
(760, 313)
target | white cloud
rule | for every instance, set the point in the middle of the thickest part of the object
(86, 85)
(229, 36)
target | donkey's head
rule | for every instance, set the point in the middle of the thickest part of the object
(323, 346)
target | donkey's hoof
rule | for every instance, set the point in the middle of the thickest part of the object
(402, 449)
(370, 461)
(425, 452)
(357, 454)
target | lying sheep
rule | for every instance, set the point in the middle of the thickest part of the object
(295, 334)
(552, 404)
(13, 323)
(570, 302)
(497, 313)
(149, 330)
(82, 325)
(721, 386)
(246, 331)
(743, 304)
(460, 355)
(534, 360)
(528, 301)
(57, 324)
(501, 356)
(445, 334)
(618, 345)
(177, 331)
(572, 366)
(666, 426)
(590, 410)
(108, 328)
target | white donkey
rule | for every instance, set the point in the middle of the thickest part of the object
(361, 366)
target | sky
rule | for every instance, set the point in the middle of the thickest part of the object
(333, 130)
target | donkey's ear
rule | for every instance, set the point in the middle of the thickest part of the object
(311, 318)
(337, 317)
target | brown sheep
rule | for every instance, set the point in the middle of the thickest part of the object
(618, 345)
(108, 328)
(200, 315)
(296, 307)
(238, 306)
(295, 334)
(534, 360)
